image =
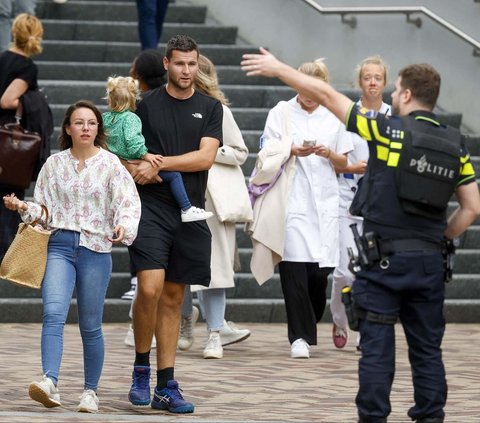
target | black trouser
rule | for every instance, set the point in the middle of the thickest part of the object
(304, 289)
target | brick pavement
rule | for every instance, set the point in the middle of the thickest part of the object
(256, 381)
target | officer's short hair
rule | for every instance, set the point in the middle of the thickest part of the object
(180, 42)
(317, 69)
(372, 60)
(423, 81)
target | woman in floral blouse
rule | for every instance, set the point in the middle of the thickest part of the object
(92, 203)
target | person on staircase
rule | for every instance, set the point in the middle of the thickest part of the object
(151, 16)
(224, 176)
(18, 74)
(9, 9)
(372, 80)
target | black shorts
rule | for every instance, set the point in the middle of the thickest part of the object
(164, 242)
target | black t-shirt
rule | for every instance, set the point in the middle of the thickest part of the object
(15, 66)
(173, 127)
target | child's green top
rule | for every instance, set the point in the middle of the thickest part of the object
(124, 134)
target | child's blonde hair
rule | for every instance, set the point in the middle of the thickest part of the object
(122, 93)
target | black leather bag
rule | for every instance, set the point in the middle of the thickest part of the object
(19, 152)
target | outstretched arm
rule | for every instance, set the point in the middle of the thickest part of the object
(266, 64)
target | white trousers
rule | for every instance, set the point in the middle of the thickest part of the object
(341, 275)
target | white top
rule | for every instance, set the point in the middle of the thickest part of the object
(91, 201)
(348, 182)
(311, 226)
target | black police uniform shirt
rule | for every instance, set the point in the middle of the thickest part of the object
(173, 127)
(384, 135)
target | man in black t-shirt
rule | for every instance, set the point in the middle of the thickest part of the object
(185, 127)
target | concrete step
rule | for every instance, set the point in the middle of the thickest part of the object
(101, 51)
(259, 98)
(75, 30)
(240, 310)
(246, 287)
(239, 96)
(114, 11)
(99, 71)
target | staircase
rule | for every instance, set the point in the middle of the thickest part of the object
(87, 41)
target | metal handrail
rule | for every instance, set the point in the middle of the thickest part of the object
(406, 10)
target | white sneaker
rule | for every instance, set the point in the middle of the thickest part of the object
(130, 293)
(230, 334)
(194, 213)
(186, 337)
(300, 349)
(88, 402)
(213, 348)
(45, 392)
(60, 1)
(130, 338)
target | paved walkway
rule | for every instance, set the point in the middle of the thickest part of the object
(256, 381)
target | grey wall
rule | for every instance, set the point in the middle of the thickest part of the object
(295, 33)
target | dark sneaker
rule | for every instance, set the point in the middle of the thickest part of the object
(140, 391)
(171, 399)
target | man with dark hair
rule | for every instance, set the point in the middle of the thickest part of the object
(415, 166)
(185, 127)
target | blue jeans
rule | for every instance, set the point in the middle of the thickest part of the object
(70, 266)
(212, 303)
(175, 181)
(9, 9)
(151, 14)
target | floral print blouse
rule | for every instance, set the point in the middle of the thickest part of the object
(91, 201)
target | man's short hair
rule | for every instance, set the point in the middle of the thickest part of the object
(423, 81)
(180, 42)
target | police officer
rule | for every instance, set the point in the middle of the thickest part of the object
(415, 165)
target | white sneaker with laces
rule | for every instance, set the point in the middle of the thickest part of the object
(300, 349)
(230, 334)
(130, 338)
(88, 402)
(194, 213)
(213, 348)
(186, 336)
(45, 392)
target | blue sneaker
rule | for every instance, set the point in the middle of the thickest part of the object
(140, 391)
(171, 399)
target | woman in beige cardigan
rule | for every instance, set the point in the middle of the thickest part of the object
(227, 197)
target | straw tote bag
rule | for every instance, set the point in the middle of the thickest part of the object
(26, 258)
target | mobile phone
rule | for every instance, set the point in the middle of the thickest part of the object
(309, 143)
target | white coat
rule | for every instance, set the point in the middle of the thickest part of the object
(231, 155)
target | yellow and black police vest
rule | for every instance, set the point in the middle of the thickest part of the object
(412, 174)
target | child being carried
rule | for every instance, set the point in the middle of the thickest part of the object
(125, 139)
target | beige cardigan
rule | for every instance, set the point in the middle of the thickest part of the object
(230, 156)
(267, 230)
